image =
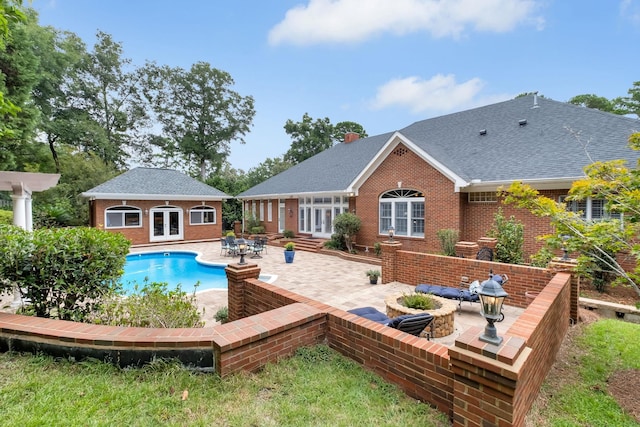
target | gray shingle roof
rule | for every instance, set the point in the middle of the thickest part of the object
(155, 184)
(556, 142)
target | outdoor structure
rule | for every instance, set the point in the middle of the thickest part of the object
(150, 205)
(443, 173)
(22, 186)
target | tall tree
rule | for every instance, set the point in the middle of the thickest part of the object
(11, 12)
(108, 93)
(596, 102)
(265, 170)
(312, 137)
(630, 104)
(199, 111)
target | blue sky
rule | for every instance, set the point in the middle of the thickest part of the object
(384, 64)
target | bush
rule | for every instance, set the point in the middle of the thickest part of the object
(222, 315)
(152, 306)
(336, 242)
(6, 217)
(377, 248)
(510, 235)
(289, 246)
(257, 230)
(288, 234)
(252, 222)
(542, 257)
(346, 226)
(419, 301)
(64, 272)
(448, 239)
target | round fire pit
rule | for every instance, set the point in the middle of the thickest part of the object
(443, 314)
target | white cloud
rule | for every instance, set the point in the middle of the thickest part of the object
(438, 94)
(630, 9)
(352, 21)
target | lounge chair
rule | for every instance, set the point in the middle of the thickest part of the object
(412, 324)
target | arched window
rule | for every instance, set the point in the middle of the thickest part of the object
(404, 210)
(202, 215)
(123, 217)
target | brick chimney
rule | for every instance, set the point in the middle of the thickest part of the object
(350, 137)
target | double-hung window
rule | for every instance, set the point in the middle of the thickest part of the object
(590, 209)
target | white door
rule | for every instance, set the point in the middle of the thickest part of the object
(323, 222)
(281, 217)
(166, 224)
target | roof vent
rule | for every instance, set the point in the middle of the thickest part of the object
(522, 122)
(483, 131)
(535, 100)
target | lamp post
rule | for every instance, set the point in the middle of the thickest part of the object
(242, 250)
(564, 238)
(391, 233)
(491, 298)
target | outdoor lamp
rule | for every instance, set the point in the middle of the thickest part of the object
(242, 250)
(491, 298)
(391, 233)
(564, 238)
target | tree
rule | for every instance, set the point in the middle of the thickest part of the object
(346, 226)
(312, 137)
(10, 13)
(199, 112)
(598, 242)
(104, 93)
(596, 102)
(265, 170)
(630, 104)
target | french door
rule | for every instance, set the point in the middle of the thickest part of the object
(166, 224)
(323, 222)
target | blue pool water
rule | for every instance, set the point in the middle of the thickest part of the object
(174, 268)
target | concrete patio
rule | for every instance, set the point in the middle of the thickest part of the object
(325, 278)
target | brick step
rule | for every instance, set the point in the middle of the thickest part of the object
(307, 244)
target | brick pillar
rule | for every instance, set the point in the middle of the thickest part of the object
(489, 387)
(236, 275)
(466, 249)
(488, 242)
(389, 261)
(558, 265)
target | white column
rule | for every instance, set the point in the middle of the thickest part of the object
(19, 210)
(28, 214)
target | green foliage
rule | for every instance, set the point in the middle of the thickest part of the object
(265, 170)
(251, 221)
(222, 315)
(542, 257)
(336, 242)
(419, 301)
(230, 233)
(64, 272)
(288, 234)
(312, 137)
(153, 305)
(448, 239)
(372, 274)
(50, 216)
(289, 246)
(510, 235)
(6, 217)
(347, 225)
(377, 248)
(257, 230)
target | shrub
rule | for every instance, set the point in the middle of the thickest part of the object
(288, 234)
(152, 306)
(251, 222)
(448, 239)
(257, 230)
(346, 226)
(289, 246)
(542, 257)
(64, 272)
(336, 242)
(372, 273)
(419, 301)
(6, 217)
(510, 235)
(377, 248)
(222, 315)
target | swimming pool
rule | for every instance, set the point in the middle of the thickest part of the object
(175, 267)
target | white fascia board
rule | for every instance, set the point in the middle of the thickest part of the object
(181, 197)
(345, 192)
(388, 147)
(563, 183)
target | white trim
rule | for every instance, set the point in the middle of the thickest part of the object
(174, 197)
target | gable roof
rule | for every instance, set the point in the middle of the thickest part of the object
(154, 184)
(531, 139)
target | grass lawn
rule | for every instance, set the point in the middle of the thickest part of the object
(317, 387)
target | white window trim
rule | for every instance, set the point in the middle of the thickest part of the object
(201, 209)
(123, 210)
(393, 201)
(588, 212)
(270, 211)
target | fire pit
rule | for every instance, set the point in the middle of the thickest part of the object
(443, 314)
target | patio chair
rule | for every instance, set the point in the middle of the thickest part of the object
(412, 324)
(257, 247)
(231, 246)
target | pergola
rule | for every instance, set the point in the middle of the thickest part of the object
(23, 185)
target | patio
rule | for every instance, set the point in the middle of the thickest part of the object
(328, 279)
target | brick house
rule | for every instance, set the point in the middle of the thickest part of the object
(443, 173)
(150, 205)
